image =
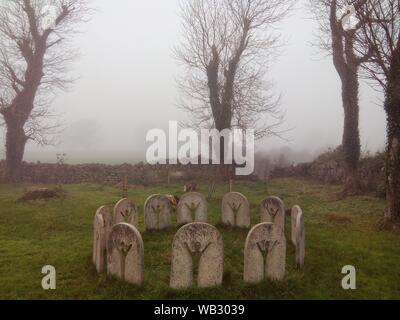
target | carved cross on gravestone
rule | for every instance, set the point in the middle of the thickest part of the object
(125, 211)
(158, 209)
(265, 247)
(235, 210)
(157, 212)
(196, 254)
(193, 209)
(273, 210)
(123, 249)
(126, 214)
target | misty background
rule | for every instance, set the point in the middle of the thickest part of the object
(127, 86)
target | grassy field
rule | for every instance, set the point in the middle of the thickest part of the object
(59, 233)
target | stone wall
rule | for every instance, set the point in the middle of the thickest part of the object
(330, 170)
(138, 174)
(68, 174)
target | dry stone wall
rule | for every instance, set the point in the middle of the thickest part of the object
(138, 174)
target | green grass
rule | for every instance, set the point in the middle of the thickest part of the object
(59, 233)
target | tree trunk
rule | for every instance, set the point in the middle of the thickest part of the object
(347, 64)
(224, 170)
(392, 107)
(15, 147)
(351, 134)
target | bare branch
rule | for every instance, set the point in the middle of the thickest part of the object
(225, 53)
(381, 35)
(35, 55)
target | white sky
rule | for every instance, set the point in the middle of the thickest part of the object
(127, 87)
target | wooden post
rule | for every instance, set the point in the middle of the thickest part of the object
(125, 187)
(265, 181)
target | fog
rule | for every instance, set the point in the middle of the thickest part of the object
(127, 86)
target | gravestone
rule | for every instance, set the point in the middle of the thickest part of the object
(157, 213)
(293, 218)
(273, 210)
(235, 210)
(298, 235)
(102, 227)
(264, 253)
(192, 207)
(197, 255)
(125, 211)
(125, 254)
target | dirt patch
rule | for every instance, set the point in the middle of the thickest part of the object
(42, 194)
(338, 218)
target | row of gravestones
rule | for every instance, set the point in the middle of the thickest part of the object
(192, 207)
(118, 245)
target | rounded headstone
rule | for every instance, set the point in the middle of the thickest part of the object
(264, 253)
(99, 240)
(273, 210)
(197, 247)
(296, 210)
(299, 236)
(192, 207)
(101, 229)
(235, 210)
(125, 254)
(157, 213)
(125, 211)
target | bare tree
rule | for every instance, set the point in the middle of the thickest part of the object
(34, 56)
(381, 35)
(224, 50)
(340, 41)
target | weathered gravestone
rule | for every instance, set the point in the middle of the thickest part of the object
(273, 210)
(298, 234)
(197, 254)
(192, 207)
(157, 213)
(264, 253)
(235, 210)
(102, 227)
(125, 254)
(125, 211)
